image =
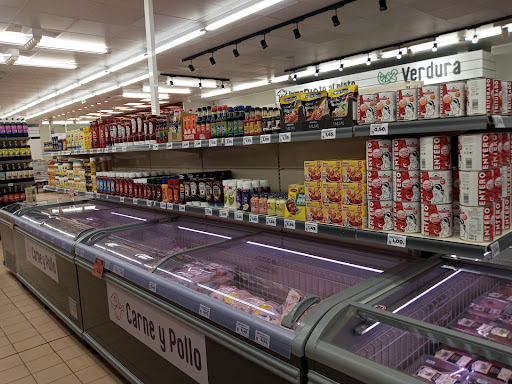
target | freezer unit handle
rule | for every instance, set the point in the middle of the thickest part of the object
(295, 314)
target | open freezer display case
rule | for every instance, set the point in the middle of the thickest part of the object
(253, 298)
(449, 324)
(6, 235)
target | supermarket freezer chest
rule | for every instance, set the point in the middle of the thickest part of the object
(249, 300)
(6, 235)
(449, 324)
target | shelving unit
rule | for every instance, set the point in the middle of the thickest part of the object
(21, 138)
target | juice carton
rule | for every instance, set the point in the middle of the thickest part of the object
(314, 211)
(353, 171)
(331, 171)
(296, 203)
(355, 216)
(331, 192)
(333, 213)
(354, 193)
(313, 190)
(313, 170)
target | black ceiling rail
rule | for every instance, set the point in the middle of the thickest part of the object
(295, 20)
(402, 44)
(195, 77)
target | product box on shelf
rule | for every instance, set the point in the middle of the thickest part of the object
(315, 108)
(342, 106)
(333, 213)
(313, 190)
(407, 216)
(453, 99)
(353, 171)
(314, 211)
(480, 96)
(331, 192)
(296, 203)
(406, 186)
(436, 187)
(385, 107)
(477, 223)
(406, 154)
(476, 188)
(380, 185)
(497, 104)
(435, 153)
(355, 216)
(437, 220)
(292, 112)
(429, 102)
(506, 95)
(313, 170)
(354, 193)
(407, 104)
(331, 170)
(456, 216)
(379, 155)
(380, 215)
(476, 152)
(366, 109)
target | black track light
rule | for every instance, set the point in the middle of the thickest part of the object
(200, 84)
(235, 51)
(335, 20)
(212, 60)
(222, 85)
(434, 47)
(382, 5)
(171, 83)
(294, 77)
(191, 67)
(296, 32)
(263, 43)
(341, 66)
(317, 71)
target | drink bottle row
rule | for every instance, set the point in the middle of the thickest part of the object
(16, 172)
(9, 195)
(13, 128)
(15, 150)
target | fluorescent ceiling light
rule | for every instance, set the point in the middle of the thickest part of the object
(190, 83)
(256, 84)
(241, 14)
(280, 79)
(30, 62)
(166, 90)
(69, 88)
(96, 76)
(105, 90)
(483, 32)
(127, 63)
(127, 109)
(215, 93)
(142, 106)
(179, 40)
(135, 80)
(142, 95)
(133, 104)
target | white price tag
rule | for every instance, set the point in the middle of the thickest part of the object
(271, 220)
(170, 206)
(265, 139)
(212, 143)
(149, 203)
(89, 194)
(135, 201)
(285, 137)
(204, 311)
(397, 240)
(495, 248)
(254, 219)
(163, 205)
(124, 148)
(155, 147)
(197, 143)
(152, 286)
(328, 134)
(289, 224)
(262, 338)
(114, 149)
(311, 227)
(239, 216)
(498, 121)
(228, 142)
(121, 199)
(208, 212)
(168, 145)
(242, 329)
(247, 140)
(378, 129)
(182, 207)
(185, 144)
(223, 213)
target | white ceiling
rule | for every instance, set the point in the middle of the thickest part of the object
(119, 24)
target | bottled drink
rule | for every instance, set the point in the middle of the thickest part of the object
(8, 131)
(213, 122)
(2, 129)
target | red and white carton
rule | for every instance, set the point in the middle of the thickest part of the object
(480, 96)
(506, 96)
(497, 103)
(385, 107)
(380, 215)
(476, 152)
(380, 185)
(505, 182)
(406, 186)
(407, 104)
(455, 183)
(505, 144)
(509, 180)
(456, 216)
(476, 188)
(437, 220)
(453, 99)
(498, 183)
(435, 153)
(378, 155)
(477, 223)
(366, 109)
(498, 217)
(497, 149)
(406, 154)
(428, 102)
(436, 187)
(407, 216)
(506, 213)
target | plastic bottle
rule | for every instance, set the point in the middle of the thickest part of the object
(255, 203)
(2, 129)
(239, 196)
(247, 122)
(281, 205)
(264, 186)
(263, 203)
(246, 196)
(256, 186)
(258, 122)
(271, 204)
(230, 123)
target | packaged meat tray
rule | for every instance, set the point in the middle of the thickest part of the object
(487, 308)
(434, 370)
(478, 378)
(492, 370)
(494, 331)
(455, 356)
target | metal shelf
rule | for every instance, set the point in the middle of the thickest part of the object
(15, 161)
(17, 184)
(22, 138)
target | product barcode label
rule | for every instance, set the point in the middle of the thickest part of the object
(168, 145)
(474, 104)
(223, 213)
(254, 219)
(89, 194)
(197, 143)
(163, 205)
(152, 286)
(121, 199)
(397, 240)
(262, 338)
(204, 311)
(378, 129)
(239, 216)
(285, 137)
(212, 143)
(242, 329)
(247, 140)
(155, 147)
(311, 227)
(465, 198)
(182, 207)
(265, 139)
(185, 144)
(149, 203)
(469, 163)
(170, 206)
(228, 142)
(423, 164)
(208, 211)
(271, 220)
(328, 134)
(495, 249)
(498, 121)
(289, 224)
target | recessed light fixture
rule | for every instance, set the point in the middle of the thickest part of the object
(474, 40)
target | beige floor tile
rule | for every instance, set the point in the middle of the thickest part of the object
(43, 363)
(9, 307)
(10, 362)
(38, 312)
(15, 373)
(12, 320)
(6, 313)
(45, 318)
(27, 300)
(49, 326)
(4, 341)
(108, 380)
(30, 307)
(25, 380)
(56, 334)
(26, 344)
(92, 373)
(71, 352)
(4, 300)
(23, 335)
(71, 379)
(8, 350)
(65, 342)
(52, 374)
(21, 326)
(20, 298)
(36, 353)
(81, 362)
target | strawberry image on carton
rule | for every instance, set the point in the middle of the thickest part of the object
(355, 216)
(314, 211)
(333, 213)
(331, 170)
(331, 193)
(353, 171)
(313, 190)
(354, 193)
(313, 170)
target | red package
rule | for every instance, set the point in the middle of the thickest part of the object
(487, 308)
(436, 187)
(437, 220)
(380, 185)
(455, 356)
(493, 370)
(406, 154)
(378, 155)
(380, 215)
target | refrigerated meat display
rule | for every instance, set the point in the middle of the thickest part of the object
(410, 333)
(251, 298)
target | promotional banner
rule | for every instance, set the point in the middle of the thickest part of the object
(182, 346)
(42, 258)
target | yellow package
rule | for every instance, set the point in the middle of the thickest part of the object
(296, 203)
(353, 171)
(331, 192)
(313, 170)
(339, 99)
(313, 190)
(314, 211)
(354, 193)
(333, 214)
(355, 216)
(331, 171)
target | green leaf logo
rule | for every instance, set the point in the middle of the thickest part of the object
(388, 78)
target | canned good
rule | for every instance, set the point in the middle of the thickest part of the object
(453, 99)
(378, 155)
(435, 153)
(406, 154)
(505, 182)
(505, 140)
(455, 183)
(437, 220)
(498, 181)
(366, 109)
(497, 103)
(407, 104)
(380, 185)
(386, 107)
(497, 146)
(477, 188)
(498, 217)
(480, 96)
(477, 223)
(380, 215)
(476, 152)
(428, 102)
(436, 187)
(506, 213)
(406, 216)
(456, 216)
(406, 186)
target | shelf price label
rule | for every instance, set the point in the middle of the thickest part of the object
(242, 329)
(121, 199)
(212, 143)
(495, 248)
(185, 144)
(285, 137)
(289, 224)
(265, 139)
(135, 201)
(149, 203)
(170, 206)
(114, 149)
(163, 205)
(123, 148)
(328, 134)
(197, 143)
(247, 140)
(223, 213)
(378, 129)
(271, 221)
(311, 227)
(498, 121)
(228, 142)
(204, 311)
(168, 146)
(89, 194)
(155, 147)
(182, 207)
(239, 216)
(254, 219)
(262, 338)
(152, 286)
(397, 240)
(208, 212)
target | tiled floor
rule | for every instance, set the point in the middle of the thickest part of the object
(36, 347)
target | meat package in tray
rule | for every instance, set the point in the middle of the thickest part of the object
(487, 307)
(476, 326)
(434, 370)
